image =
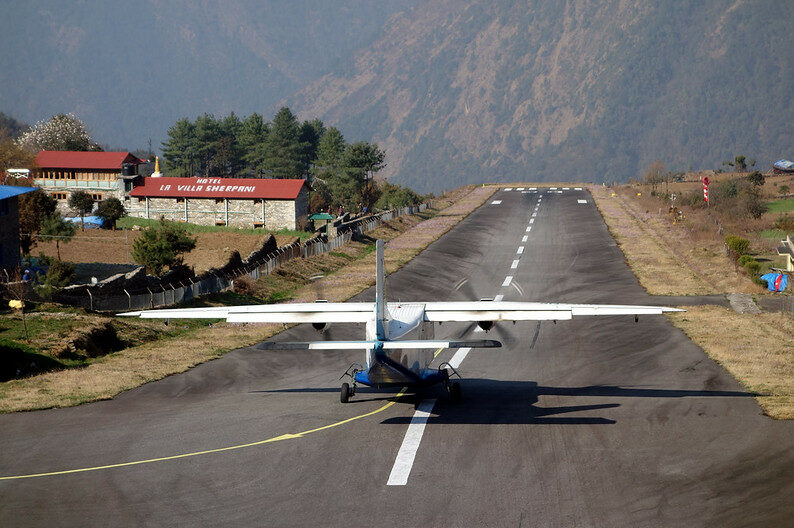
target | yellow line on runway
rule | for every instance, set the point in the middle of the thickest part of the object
(287, 436)
(210, 451)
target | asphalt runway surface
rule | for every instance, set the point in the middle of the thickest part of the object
(589, 422)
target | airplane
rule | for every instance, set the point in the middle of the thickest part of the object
(399, 339)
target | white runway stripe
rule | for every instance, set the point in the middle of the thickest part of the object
(507, 281)
(514, 265)
(520, 249)
(524, 238)
(413, 437)
(531, 220)
(459, 356)
(496, 202)
(529, 228)
(498, 298)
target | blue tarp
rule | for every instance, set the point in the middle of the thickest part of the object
(776, 282)
(91, 222)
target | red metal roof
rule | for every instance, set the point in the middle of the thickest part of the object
(69, 159)
(268, 189)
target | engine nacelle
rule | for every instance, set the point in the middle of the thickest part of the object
(320, 327)
(485, 325)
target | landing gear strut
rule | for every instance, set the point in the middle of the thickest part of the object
(347, 390)
(453, 387)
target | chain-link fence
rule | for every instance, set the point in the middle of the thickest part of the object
(190, 289)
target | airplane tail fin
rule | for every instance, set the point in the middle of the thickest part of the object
(380, 294)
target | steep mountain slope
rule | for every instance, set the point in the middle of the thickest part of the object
(130, 69)
(462, 92)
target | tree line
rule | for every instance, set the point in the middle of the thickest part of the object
(341, 172)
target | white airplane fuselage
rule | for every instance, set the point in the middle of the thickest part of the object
(404, 321)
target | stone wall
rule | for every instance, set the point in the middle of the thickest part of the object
(271, 214)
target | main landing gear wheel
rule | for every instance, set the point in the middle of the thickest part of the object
(346, 393)
(455, 392)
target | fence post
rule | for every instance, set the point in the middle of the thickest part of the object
(129, 300)
(151, 297)
(90, 299)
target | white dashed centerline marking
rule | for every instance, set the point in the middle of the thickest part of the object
(520, 249)
(413, 437)
(531, 220)
(507, 281)
(578, 188)
(524, 238)
(529, 228)
(582, 201)
(514, 265)
(533, 188)
(519, 188)
(496, 202)
(509, 189)
(534, 214)
(498, 298)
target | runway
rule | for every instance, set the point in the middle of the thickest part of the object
(589, 422)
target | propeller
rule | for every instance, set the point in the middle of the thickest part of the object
(503, 334)
(323, 328)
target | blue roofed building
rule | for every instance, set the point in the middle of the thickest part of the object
(9, 225)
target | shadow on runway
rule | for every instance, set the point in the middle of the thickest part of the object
(488, 401)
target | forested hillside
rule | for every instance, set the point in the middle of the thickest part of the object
(459, 92)
(130, 69)
(455, 91)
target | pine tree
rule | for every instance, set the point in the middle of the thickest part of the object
(251, 140)
(180, 149)
(282, 151)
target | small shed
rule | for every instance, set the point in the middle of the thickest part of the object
(9, 224)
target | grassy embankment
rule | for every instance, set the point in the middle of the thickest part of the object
(687, 259)
(128, 222)
(162, 350)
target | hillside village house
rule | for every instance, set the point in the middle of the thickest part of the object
(101, 174)
(238, 202)
(9, 225)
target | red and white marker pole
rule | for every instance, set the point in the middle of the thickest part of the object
(706, 182)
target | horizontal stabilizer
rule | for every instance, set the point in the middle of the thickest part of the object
(387, 345)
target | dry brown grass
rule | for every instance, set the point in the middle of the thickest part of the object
(213, 249)
(135, 366)
(684, 258)
(757, 349)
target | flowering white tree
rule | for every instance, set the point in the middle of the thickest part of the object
(60, 132)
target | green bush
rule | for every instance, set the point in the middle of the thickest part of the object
(737, 245)
(753, 267)
(744, 259)
(58, 275)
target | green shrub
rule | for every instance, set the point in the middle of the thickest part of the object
(58, 275)
(753, 267)
(737, 245)
(744, 259)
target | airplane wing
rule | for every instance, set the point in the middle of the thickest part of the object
(319, 312)
(529, 311)
(387, 345)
